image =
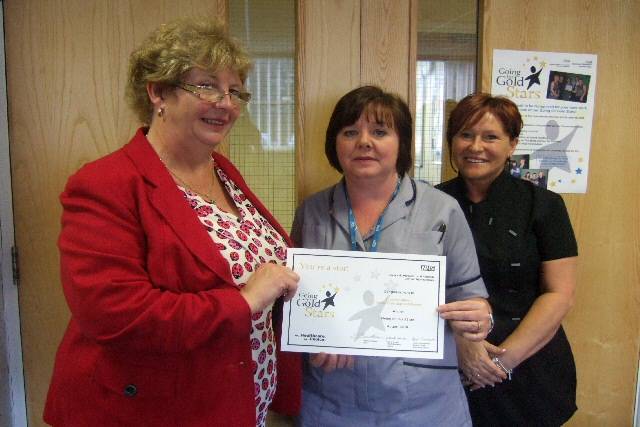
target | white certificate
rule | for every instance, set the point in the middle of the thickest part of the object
(365, 303)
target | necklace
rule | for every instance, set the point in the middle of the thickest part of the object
(206, 196)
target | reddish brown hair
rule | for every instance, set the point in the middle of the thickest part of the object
(473, 107)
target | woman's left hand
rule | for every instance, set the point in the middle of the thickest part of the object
(475, 361)
(469, 318)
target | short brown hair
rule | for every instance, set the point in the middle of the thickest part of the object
(175, 48)
(383, 107)
(472, 108)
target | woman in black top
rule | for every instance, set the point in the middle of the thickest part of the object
(528, 257)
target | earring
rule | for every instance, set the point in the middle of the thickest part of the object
(161, 112)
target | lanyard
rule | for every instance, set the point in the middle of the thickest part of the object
(353, 227)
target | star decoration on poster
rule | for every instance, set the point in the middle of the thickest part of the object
(554, 155)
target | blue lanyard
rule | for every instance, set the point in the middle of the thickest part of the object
(353, 227)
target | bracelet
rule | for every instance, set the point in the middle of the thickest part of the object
(504, 369)
(491, 323)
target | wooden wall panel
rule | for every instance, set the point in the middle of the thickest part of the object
(386, 41)
(66, 72)
(343, 44)
(604, 326)
(328, 66)
(389, 45)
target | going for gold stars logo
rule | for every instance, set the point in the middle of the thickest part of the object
(320, 304)
(522, 82)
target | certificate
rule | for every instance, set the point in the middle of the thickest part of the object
(365, 303)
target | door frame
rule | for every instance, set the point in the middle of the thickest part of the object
(11, 348)
(636, 410)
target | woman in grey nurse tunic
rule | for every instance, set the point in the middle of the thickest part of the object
(378, 207)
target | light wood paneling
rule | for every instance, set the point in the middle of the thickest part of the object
(343, 44)
(446, 168)
(385, 44)
(604, 326)
(328, 67)
(412, 64)
(66, 72)
(452, 15)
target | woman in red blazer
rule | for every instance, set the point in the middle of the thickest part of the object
(171, 266)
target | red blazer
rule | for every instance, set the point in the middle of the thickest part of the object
(158, 334)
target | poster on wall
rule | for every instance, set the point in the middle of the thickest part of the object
(555, 93)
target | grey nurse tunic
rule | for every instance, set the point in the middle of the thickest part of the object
(383, 391)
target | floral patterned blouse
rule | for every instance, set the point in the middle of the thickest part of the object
(246, 242)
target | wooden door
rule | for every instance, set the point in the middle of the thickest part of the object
(66, 71)
(604, 325)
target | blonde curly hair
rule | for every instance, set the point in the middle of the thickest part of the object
(175, 48)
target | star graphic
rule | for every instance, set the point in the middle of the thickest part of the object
(369, 317)
(578, 171)
(375, 274)
(330, 287)
(329, 300)
(580, 159)
(552, 184)
(554, 155)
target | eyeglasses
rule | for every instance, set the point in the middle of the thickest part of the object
(211, 94)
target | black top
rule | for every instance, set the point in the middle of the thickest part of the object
(516, 228)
